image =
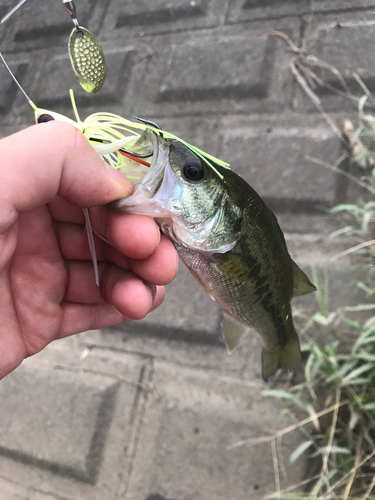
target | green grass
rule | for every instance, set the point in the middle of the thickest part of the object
(336, 402)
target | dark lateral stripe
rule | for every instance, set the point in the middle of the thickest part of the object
(265, 293)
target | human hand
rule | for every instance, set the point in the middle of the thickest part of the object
(48, 173)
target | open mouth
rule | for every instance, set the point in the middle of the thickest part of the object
(149, 196)
(141, 161)
(133, 155)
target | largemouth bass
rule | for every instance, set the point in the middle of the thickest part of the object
(230, 241)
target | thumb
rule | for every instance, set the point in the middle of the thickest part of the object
(54, 158)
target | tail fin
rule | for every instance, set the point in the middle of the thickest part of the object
(288, 357)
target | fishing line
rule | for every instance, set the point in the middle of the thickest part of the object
(7, 16)
(15, 79)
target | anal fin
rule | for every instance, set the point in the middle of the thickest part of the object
(233, 331)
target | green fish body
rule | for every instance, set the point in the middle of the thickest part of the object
(232, 244)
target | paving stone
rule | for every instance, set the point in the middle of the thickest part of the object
(342, 274)
(53, 92)
(211, 72)
(10, 92)
(183, 449)
(201, 72)
(42, 496)
(203, 132)
(204, 73)
(16, 111)
(10, 491)
(343, 42)
(188, 61)
(160, 11)
(73, 414)
(195, 355)
(78, 440)
(274, 164)
(247, 142)
(187, 312)
(188, 316)
(47, 25)
(309, 225)
(251, 10)
(142, 18)
(3, 11)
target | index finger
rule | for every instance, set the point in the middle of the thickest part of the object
(55, 158)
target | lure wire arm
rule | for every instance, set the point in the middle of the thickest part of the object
(71, 9)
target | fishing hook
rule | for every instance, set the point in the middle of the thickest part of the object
(127, 151)
(146, 122)
(149, 122)
(137, 155)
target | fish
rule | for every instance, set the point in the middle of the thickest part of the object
(229, 240)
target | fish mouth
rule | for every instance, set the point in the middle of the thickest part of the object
(147, 181)
(137, 170)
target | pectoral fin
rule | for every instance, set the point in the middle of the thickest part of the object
(301, 283)
(233, 331)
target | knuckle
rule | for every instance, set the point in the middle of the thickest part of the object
(68, 134)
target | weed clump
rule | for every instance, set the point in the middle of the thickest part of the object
(337, 397)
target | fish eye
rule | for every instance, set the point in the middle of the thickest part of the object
(193, 171)
(45, 118)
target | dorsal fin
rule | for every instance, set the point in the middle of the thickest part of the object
(301, 283)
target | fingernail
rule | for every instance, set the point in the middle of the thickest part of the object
(117, 175)
(152, 291)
